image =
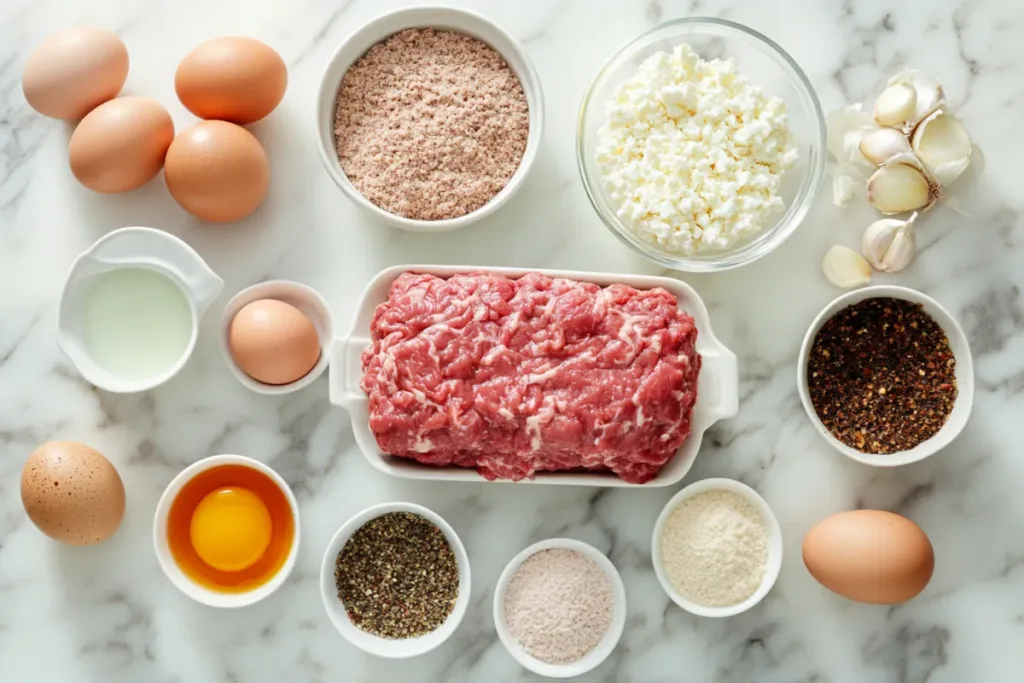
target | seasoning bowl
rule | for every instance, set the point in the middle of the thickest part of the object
(964, 375)
(367, 642)
(302, 297)
(767, 65)
(181, 581)
(774, 565)
(604, 648)
(379, 29)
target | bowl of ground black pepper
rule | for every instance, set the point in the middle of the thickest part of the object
(429, 118)
(395, 580)
(886, 376)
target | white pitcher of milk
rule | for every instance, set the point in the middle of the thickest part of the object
(130, 309)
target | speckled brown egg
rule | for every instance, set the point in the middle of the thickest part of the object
(72, 493)
(217, 171)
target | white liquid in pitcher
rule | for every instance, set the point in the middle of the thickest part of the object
(138, 323)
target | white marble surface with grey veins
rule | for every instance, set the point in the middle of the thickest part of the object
(106, 614)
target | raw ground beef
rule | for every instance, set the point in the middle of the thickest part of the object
(517, 376)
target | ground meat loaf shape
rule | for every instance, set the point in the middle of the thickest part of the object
(517, 376)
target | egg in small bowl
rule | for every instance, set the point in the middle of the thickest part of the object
(226, 531)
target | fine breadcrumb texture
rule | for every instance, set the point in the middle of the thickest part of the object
(430, 124)
(558, 605)
(715, 548)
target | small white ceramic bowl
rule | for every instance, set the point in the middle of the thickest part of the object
(771, 572)
(964, 375)
(377, 30)
(186, 585)
(603, 648)
(304, 298)
(367, 642)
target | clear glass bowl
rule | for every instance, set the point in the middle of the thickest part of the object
(768, 66)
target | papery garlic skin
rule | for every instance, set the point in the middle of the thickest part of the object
(896, 105)
(901, 186)
(843, 189)
(845, 268)
(845, 131)
(943, 145)
(930, 95)
(883, 144)
(889, 245)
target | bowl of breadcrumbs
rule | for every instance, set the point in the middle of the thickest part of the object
(429, 118)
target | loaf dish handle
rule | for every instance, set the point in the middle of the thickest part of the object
(345, 369)
(720, 362)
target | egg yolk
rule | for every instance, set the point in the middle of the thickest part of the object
(230, 529)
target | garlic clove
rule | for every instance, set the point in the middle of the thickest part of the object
(900, 253)
(845, 268)
(896, 105)
(930, 95)
(845, 130)
(883, 144)
(899, 187)
(889, 245)
(942, 143)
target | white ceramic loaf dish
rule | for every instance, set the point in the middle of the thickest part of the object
(717, 385)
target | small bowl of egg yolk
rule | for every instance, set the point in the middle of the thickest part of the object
(226, 531)
(274, 336)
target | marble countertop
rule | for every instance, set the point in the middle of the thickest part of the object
(107, 614)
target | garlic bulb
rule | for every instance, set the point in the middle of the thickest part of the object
(889, 244)
(900, 185)
(883, 144)
(942, 143)
(929, 95)
(845, 268)
(896, 105)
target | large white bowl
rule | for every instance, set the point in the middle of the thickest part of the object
(377, 30)
(717, 385)
(771, 572)
(611, 637)
(367, 642)
(200, 593)
(964, 375)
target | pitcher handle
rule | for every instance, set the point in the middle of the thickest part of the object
(149, 246)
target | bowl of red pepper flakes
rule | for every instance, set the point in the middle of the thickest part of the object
(886, 376)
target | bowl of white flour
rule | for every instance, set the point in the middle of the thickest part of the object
(717, 548)
(701, 144)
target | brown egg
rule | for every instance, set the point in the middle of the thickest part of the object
(120, 145)
(240, 80)
(273, 342)
(72, 493)
(74, 71)
(870, 556)
(217, 171)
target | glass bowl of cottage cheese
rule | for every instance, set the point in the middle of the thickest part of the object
(701, 144)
